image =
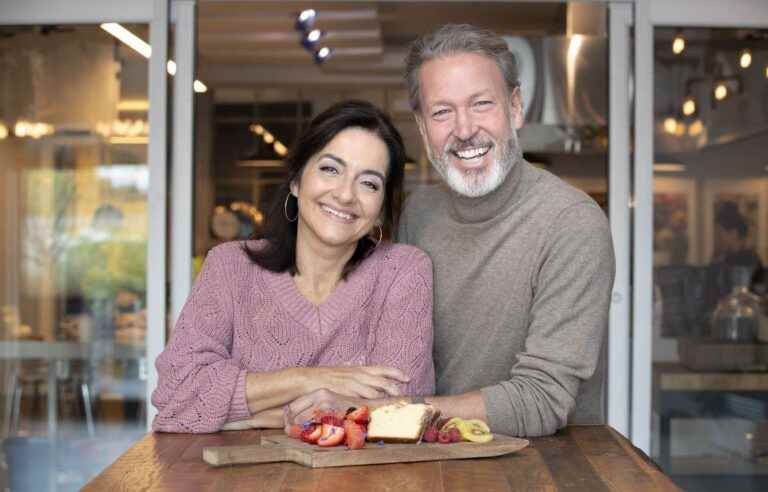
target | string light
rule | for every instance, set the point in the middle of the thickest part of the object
(745, 58)
(721, 91)
(678, 44)
(670, 125)
(696, 128)
(689, 106)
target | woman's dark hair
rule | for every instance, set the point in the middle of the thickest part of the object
(279, 253)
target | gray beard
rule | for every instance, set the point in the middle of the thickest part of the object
(477, 183)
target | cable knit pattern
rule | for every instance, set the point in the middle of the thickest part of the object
(241, 318)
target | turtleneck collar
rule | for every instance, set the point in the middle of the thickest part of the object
(483, 208)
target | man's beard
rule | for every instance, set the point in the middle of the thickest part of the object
(479, 182)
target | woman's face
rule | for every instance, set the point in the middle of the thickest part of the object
(341, 191)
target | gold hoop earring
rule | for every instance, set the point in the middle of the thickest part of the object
(285, 210)
(381, 236)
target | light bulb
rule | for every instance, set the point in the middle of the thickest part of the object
(695, 129)
(689, 106)
(721, 91)
(670, 125)
(678, 45)
(745, 59)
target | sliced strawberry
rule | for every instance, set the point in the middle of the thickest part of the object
(311, 433)
(331, 435)
(295, 431)
(430, 435)
(359, 415)
(355, 434)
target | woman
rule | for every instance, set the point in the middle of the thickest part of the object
(319, 302)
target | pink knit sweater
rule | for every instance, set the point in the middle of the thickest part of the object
(242, 318)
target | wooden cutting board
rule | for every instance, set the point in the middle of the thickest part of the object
(283, 448)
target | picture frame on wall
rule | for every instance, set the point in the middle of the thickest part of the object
(675, 222)
(747, 198)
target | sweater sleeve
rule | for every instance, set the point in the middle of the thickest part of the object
(403, 337)
(568, 318)
(199, 386)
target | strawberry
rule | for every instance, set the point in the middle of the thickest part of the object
(430, 435)
(455, 435)
(295, 431)
(355, 434)
(359, 415)
(331, 435)
(311, 433)
(443, 437)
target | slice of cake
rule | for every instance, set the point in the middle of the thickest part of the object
(400, 422)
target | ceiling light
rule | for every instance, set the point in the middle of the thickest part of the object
(695, 129)
(3, 131)
(745, 59)
(322, 54)
(310, 39)
(257, 129)
(766, 71)
(721, 91)
(268, 137)
(678, 44)
(689, 106)
(280, 149)
(305, 19)
(670, 125)
(144, 49)
(128, 38)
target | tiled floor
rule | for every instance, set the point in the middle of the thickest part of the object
(31, 462)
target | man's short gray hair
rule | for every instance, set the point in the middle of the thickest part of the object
(454, 39)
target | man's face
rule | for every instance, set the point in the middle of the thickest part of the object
(468, 121)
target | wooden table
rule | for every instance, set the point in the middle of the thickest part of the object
(588, 458)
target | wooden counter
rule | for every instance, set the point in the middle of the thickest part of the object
(578, 458)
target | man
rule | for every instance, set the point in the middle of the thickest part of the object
(523, 263)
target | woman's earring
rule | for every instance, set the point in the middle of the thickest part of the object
(285, 210)
(381, 236)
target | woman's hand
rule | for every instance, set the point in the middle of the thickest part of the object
(356, 382)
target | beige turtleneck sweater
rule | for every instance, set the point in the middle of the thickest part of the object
(523, 278)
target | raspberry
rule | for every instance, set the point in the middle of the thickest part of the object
(430, 435)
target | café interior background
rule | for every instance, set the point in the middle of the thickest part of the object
(74, 180)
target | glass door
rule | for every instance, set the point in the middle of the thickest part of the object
(710, 248)
(74, 237)
(700, 370)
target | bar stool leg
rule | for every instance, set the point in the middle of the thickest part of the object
(11, 380)
(86, 391)
(16, 415)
